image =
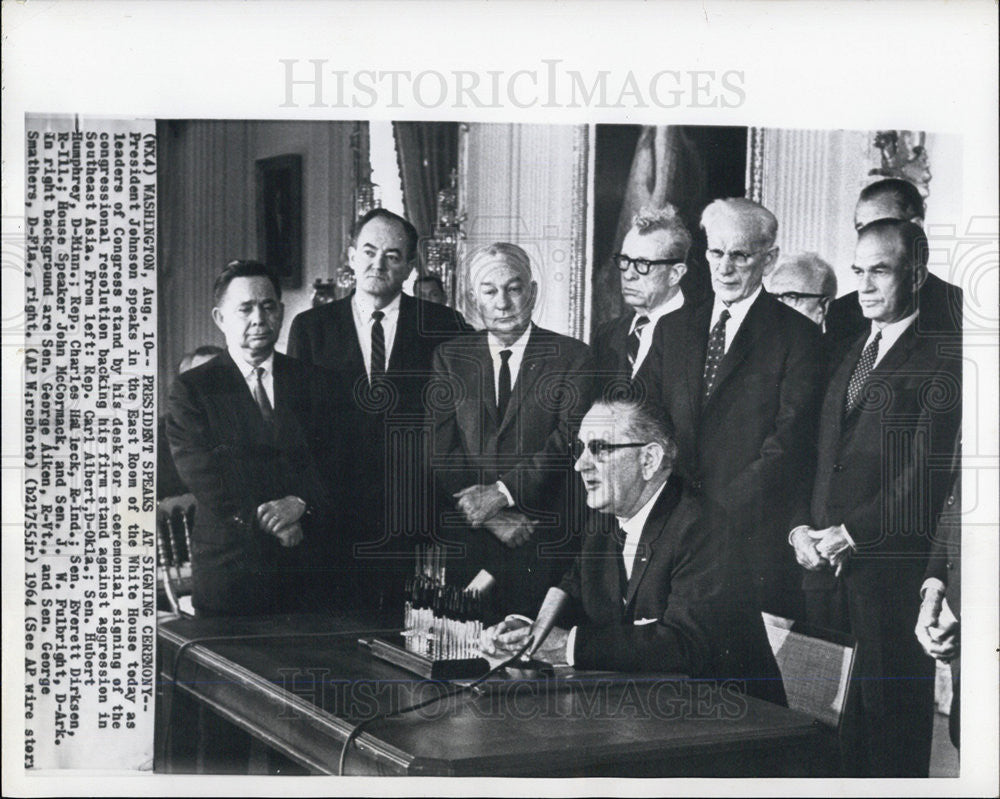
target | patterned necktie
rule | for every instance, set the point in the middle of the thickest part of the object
(716, 349)
(859, 376)
(503, 384)
(378, 347)
(632, 345)
(260, 395)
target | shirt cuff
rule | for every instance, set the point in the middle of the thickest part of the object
(793, 531)
(931, 583)
(850, 541)
(503, 490)
(570, 646)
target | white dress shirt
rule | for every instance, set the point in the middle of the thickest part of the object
(247, 370)
(516, 356)
(362, 307)
(646, 334)
(633, 532)
(890, 335)
(737, 313)
(514, 364)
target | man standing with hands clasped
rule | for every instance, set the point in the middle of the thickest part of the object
(888, 425)
(245, 430)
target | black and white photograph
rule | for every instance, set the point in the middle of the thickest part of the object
(536, 418)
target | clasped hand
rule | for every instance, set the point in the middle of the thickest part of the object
(506, 639)
(280, 518)
(939, 637)
(480, 502)
(820, 549)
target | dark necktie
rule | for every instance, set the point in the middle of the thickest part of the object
(716, 350)
(378, 347)
(620, 536)
(260, 395)
(859, 376)
(632, 345)
(503, 384)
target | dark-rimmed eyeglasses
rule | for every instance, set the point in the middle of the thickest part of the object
(795, 296)
(642, 265)
(601, 449)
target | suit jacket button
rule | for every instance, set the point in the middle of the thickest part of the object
(696, 485)
(837, 467)
(951, 501)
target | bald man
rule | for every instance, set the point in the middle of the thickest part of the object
(806, 283)
(504, 405)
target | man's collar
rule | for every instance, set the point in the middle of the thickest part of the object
(637, 521)
(245, 366)
(671, 305)
(496, 345)
(737, 310)
(365, 304)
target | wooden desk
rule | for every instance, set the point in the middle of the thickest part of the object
(302, 691)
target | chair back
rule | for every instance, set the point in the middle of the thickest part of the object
(815, 665)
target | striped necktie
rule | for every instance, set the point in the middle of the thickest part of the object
(378, 347)
(634, 339)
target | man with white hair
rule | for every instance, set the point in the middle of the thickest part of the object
(504, 404)
(739, 375)
(652, 261)
(805, 282)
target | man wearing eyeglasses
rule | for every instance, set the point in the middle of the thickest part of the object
(503, 405)
(739, 375)
(806, 283)
(652, 262)
(655, 587)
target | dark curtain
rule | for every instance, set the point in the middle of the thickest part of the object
(427, 153)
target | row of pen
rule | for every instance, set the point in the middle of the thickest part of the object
(442, 622)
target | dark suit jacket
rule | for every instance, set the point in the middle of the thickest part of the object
(751, 447)
(689, 580)
(326, 337)
(610, 346)
(390, 492)
(945, 562)
(231, 463)
(883, 471)
(940, 306)
(528, 449)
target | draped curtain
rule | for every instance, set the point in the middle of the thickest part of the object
(427, 153)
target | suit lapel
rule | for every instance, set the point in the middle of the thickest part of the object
(755, 320)
(529, 372)
(343, 317)
(403, 353)
(695, 345)
(236, 401)
(651, 532)
(834, 405)
(485, 378)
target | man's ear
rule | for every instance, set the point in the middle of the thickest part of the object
(217, 318)
(677, 272)
(534, 294)
(652, 458)
(919, 276)
(772, 259)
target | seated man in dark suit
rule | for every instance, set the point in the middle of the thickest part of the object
(245, 430)
(739, 374)
(503, 408)
(663, 589)
(379, 343)
(888, 422)
(652, 263)
(940, 302)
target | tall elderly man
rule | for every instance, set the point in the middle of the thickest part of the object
(805, 282)
(652, 262)
(379, 343)
(248, 431)
(662, 589)
(504, 405)
(888, 425)
(940, 302)
(739, 375)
